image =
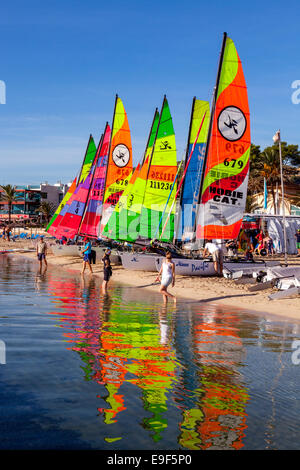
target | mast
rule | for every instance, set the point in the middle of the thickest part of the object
(92, 179)
(212, 115)
(151, 128)
(185, 162)
(187, 147)
(109, 148)
(89, 141)
(152, 151)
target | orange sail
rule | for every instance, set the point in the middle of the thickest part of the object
(119, 169)
(224, 189)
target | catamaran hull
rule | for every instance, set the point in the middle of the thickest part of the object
(183, 266)
(64, 250)
(76, 250)
(195, 267)
(139, 262)
(190, 267)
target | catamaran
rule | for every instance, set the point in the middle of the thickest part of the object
(214, 194)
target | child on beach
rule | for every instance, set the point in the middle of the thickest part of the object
(86, 256)
(167, 273)
(107, 273)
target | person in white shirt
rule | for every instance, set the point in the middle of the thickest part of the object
(211, 248)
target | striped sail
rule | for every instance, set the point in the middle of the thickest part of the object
(196, 150)
(86, 164)
(224, 189)
(88, 160)
(130, 203)
(73, 212)
(116, 227)
(119, 169)
(61, 210)
(161, 174)
(92, 215)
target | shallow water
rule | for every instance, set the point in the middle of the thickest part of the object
(85, 371)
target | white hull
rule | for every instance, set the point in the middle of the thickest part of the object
(190, 267)
(139, 261)
(197, 267)
(76, 250)
(64, 250)
(184, 266)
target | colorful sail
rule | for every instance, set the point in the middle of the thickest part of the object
(92, 215)
(61, 210)
(72, 216)
(119, 169)
(116, 226)
(90, 152)
(161, 174)
(88, 160)
(152, 136)
(191, 183)
(224, 189)
(130, 203)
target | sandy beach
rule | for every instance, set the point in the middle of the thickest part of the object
(198, 289)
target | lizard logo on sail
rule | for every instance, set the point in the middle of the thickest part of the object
(232, 123)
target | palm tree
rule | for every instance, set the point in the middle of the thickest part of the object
(47, 209)
(251, 204)
(8, 195)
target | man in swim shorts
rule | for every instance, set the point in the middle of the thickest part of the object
(41, 251)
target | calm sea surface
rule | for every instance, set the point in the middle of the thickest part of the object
(85, 371)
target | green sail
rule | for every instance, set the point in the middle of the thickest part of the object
(124, 221)
(88, 160)
(161, 174)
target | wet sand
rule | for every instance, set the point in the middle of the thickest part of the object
(193, 289)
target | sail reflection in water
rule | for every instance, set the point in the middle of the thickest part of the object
(192, 365)
(217, 418)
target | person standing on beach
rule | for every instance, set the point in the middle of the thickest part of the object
(41, 251)
(86, 256)
(167, 273)
(106, 255)
(107, 273)
(217, 256)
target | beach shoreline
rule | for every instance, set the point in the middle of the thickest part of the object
(195, 289)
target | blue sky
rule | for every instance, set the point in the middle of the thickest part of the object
(64, 61)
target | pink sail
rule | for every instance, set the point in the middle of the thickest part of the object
(93, 212)
(72, 216)
(55, 224)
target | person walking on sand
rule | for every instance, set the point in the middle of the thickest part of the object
(41, 251)
(107, 273)
(217, 255)
(86, 256)
(167, 273)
